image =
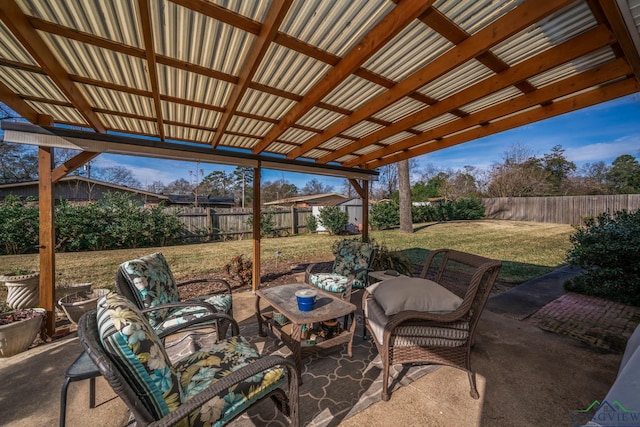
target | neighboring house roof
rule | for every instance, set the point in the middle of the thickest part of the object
(24, 187)
(180, 199)
(310, 199)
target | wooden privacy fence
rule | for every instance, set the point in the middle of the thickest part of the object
(560, 210)
(228, 224)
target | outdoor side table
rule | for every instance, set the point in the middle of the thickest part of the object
(282, 298)
(381, 275)
(82, 368)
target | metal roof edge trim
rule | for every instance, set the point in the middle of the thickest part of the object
(115, 144)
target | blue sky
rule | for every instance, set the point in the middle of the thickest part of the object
(602, 132)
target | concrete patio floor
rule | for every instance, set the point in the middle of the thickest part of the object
(526, 376)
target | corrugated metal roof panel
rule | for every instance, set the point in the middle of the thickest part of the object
(332, 26)
(265, 104)
(316, 154)
(238, 141)
(280, 148)
(435, 122)
(587, 62)
(634, 7)
(255, 10)
(472, 16)
(412, 49)
(345, 158)
(400, 109)
(188, 114)
(124, 124)
(61, 114)
(31, 84)
(97, 63)
(11, 49)
(115, 20)
(319, 118)
(118, 101)
(335, 143)
(366, 150)
(288, 70)
(353, 92)
(188, 134)
(249, 126)
(362, 129)
(395, 138)
(297, 135)
(192, 86)
(456, 80)
(555, 29)
(491, 100)
(180, 33)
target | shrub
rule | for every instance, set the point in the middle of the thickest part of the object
(607, 248)
(467, 208)
(312, 223)
(334, 219)
(19, 225)
(384, 215)
(387, 259)
(240, 268)
(267, 223)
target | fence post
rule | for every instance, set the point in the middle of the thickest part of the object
(294, 220)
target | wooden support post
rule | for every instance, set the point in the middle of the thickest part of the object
(365, 211)
(47, 236)
(256, 228)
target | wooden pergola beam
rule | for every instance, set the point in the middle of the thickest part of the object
(587, 99)
(601, 75)
(16, 21)
(276, 14)
(72, 164)
(150, 56)
(558, 55)
(388, 27)
(521, 17)
(616, 20)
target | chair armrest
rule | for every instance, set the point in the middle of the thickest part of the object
(308, 271)
(227, 381)
(208, 280)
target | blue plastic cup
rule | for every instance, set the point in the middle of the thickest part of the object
(306, 299)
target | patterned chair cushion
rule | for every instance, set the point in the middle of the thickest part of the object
(128, 337)
(353, 255)
(329, 282)
(154, 282)
(441, 335)
(199, 370)
(222, 303)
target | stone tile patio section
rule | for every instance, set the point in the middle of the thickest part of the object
(595, 321)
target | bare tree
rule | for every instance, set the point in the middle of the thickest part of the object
(404, 183)
(521, 174)
(315, 186)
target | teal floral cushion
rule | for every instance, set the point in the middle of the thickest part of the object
(199, 370)
(353, 255)
(126, 334)
(222, 304)
(152, 278)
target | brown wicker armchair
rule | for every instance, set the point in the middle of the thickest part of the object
(431, 319)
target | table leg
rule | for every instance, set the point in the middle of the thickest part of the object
(352, 330)
(296, 343)
(259, 316)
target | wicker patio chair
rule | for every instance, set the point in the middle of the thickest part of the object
(148, 282)
(430, 319)
(350, 269)
(211, 386)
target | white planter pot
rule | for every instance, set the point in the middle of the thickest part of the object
(63, 291)
(17, 336)
(75, 305)
(23, 291)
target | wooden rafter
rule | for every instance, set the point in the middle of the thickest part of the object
(72, 164)
(504, 27)
(587, 99)
(565, 52)
(152, 72)
(19, 25)
(17, 104)
(619, 28)
(601, 75)
(276, 14)
(388, 27)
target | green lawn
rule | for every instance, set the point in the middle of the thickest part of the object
(527, 250)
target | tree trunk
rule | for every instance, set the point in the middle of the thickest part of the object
(404, 186)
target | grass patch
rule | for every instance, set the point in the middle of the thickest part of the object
(526, 249)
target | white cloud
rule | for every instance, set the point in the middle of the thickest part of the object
(605, 151)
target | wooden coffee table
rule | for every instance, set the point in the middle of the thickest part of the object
(282, 298)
